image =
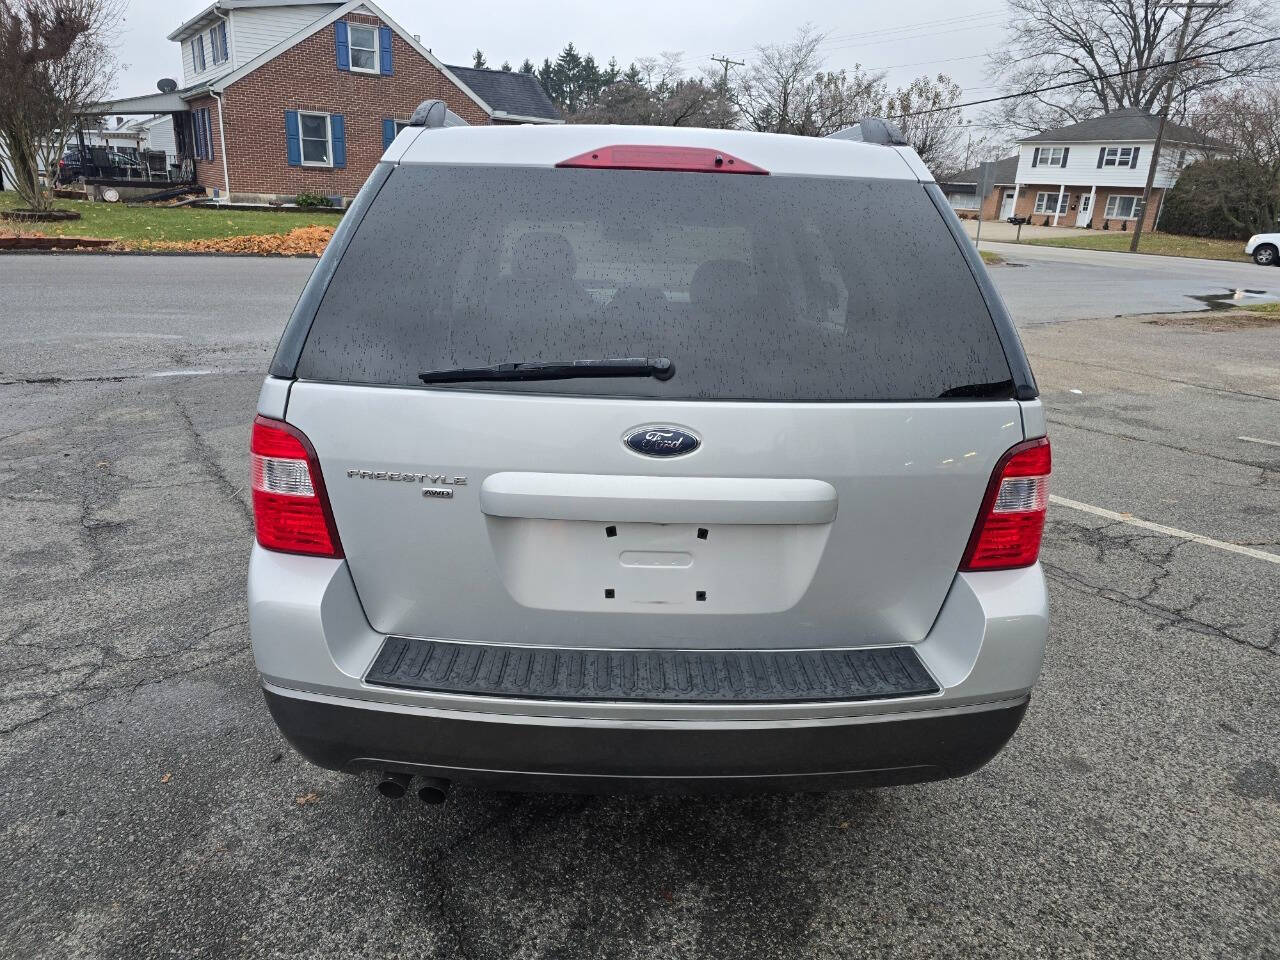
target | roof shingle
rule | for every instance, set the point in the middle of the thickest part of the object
(1004, 171)
(1120, 125)
(519, 94)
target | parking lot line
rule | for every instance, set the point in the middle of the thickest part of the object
(1167, 531)
(1269, 443)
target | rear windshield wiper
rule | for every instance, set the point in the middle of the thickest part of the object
(660, 368)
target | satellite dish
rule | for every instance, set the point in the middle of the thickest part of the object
(167, 85)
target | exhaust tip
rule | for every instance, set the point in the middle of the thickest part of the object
(433, 791)
(393, 785)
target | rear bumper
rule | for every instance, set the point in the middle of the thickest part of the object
(561, 754)
(314, 650)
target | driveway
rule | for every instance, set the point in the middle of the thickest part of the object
(148, 807)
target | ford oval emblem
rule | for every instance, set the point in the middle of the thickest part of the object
(661, 441)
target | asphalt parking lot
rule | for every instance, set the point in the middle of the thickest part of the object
(148, 807)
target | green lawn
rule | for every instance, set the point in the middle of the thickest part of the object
(139, 226)
(1162, 244)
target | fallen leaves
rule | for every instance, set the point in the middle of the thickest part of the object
(299, 241)
(308, 798)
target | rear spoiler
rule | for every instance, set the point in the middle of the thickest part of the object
(434, 114)
(871, 130)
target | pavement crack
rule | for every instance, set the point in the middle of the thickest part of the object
(209, 460)
(110, 691)
(1170, 616)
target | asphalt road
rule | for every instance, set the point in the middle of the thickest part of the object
(148, 808)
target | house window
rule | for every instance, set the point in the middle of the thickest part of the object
(1122, 207)
(963, 201)
(400, 125)
(218, 42)
(1117, 157)
(1051, 157)
(202, 126)
(315, 133)
(364, 48)
(1045, 202)
(197, 54)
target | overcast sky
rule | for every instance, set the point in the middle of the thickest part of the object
(926, 36)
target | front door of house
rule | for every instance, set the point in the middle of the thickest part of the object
(1006, 205)
(1084, 213)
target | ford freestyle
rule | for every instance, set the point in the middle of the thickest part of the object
(611, 458)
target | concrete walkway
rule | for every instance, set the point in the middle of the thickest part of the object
(1003, 231)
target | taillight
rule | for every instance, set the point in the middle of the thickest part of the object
(290, 508)
(1011, 522)
(654, 157)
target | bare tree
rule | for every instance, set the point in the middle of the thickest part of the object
(1084, 41)
(55, 60)
(840, 98)
(926, 110)
(775, 92)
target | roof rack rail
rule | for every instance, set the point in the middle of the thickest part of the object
(434, 113)
(872, 130)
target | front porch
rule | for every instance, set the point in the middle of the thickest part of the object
(1080, 206)
(143, 167)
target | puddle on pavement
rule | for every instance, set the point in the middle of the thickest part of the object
(1232, 297)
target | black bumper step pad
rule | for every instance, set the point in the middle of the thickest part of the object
(651, 676)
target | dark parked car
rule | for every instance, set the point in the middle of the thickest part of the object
(98, 162)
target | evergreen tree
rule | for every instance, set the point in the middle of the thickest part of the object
(478, 61)
(506, 66)
(527, 66)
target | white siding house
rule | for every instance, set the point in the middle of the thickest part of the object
(225, 36)
(258, 29)
(1092, 174)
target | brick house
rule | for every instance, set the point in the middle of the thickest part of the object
(1089, 174)
(281, 97)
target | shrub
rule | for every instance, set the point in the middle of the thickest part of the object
(1198, 204)
(312, 200)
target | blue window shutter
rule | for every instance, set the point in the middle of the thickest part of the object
(292, 138)
(343, 45)
(1066, 152)
(1035, 157)
(202, 140)
(384, 50)
(1133, 160)
(1102, 155)
(388, 133)
(338, 133)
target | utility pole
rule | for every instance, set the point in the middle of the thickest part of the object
(1164, 111)
(727, 63)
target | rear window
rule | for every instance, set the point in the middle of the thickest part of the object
(756, 287)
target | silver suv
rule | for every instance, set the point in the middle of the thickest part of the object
(604, 458)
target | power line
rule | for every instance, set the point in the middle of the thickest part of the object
(1101, 76)
(922, 35)
(836, 38)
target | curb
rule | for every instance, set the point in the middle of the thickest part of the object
(154, 253)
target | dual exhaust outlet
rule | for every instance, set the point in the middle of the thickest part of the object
(431, 790)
